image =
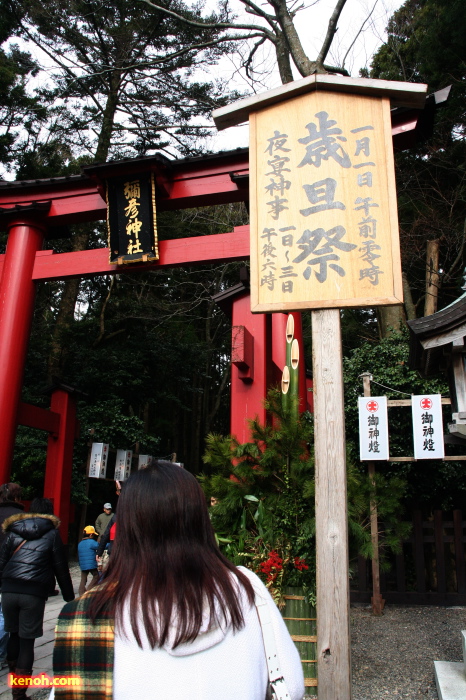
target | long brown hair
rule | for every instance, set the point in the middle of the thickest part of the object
(165, 560)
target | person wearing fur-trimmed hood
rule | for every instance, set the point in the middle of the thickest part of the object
(30, 556)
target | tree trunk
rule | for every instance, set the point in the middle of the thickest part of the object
(301, 61)
(410, 308)
(390, 320)
(65, 316)
(432, 277)
(283, 59)
(106, 130)
(69, 297)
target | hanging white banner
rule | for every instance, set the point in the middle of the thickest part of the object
(144, 461)
(123, 465)
(373, 428)
(428, 427)
(98, 460)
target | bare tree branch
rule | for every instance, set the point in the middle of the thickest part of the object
(207, 25)
(359, 33)
(331, 31)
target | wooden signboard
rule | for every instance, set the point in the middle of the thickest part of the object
(324, 227)
(324, 234)
(131, 218)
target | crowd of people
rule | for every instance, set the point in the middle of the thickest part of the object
(166, 616)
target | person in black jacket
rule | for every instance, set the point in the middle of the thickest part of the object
(31, 555)
(10, 495)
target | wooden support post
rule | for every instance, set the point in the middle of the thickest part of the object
(440, 556)
(333, 640)
(377, 601)
(459, 552)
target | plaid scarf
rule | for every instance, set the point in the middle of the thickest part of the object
(85, 650)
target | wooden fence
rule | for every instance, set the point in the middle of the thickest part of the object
(429, 571)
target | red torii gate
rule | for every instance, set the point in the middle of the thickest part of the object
(33, 211)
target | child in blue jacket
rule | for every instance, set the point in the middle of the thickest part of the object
(87, 561)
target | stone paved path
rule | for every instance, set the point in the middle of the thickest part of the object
(44, 646)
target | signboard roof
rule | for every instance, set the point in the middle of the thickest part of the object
(400, 94)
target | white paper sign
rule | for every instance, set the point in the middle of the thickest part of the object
(123, 465)
(144, 461)
(373, 428)
(428, 427)
(98, 461)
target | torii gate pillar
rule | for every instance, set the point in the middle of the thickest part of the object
(17, 292)
(59, 464)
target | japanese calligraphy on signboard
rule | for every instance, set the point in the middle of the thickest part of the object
(98, 460)
(324, 229)
(373, 428)
(428, 427)
(131, 219)
(123, 465)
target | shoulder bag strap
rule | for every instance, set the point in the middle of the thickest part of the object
(18, 548)
(276, 680)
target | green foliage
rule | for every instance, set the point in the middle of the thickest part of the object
(28, 467)
(388, 494)
(123, 77)
(268, 506)
(110, 424)
(263, 511)
(19, 112)
(387, 361)
(430, 483)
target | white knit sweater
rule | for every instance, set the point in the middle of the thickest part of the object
(218, 665)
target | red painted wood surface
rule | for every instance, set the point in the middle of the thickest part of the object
(182, 184)
(278, 345)
(279, 321)
(17, 292)
(59, 462)
(40, 418)
(298, 334)
(182, 251)
(242, 352)
(247, 398)
(73, 202)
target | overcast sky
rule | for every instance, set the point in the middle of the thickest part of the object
(370, 15)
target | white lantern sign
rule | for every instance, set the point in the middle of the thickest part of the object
(123, 465)
(144, 461)
(98, 460)
(428, 427)
(373, 428)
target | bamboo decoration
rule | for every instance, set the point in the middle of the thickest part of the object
(294, 377)
(300, 619)
(290, 376)
(285, 386)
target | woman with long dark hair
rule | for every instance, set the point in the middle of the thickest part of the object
(173, 618)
